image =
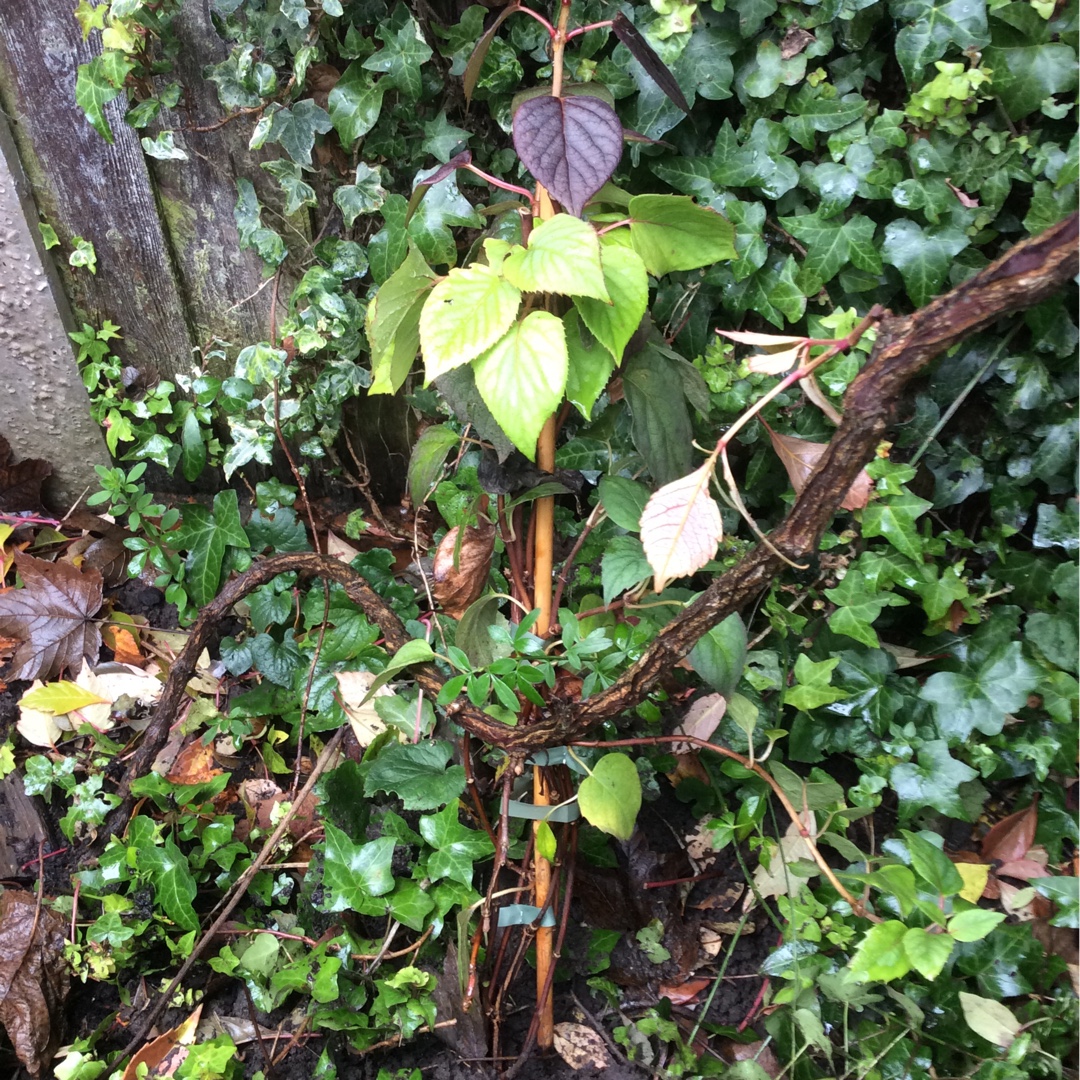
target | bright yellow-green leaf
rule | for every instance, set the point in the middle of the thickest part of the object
(522, 378)
(627, 284)
(466, 313)
(975, 876)
(610, 796)
(671, 232)
(59, 698)
(563, 256)
(545, 841)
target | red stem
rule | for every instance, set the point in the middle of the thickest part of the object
(585, 29)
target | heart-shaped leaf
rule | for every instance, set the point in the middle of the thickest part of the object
(563, 257)
(681, 526)
(610, 797)
(571, 145)
(522, 378)
(627, 284)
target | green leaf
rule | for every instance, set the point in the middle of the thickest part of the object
(975, 924)
(205, 536)
(192, 448)
(923, 256)
(1025, 75)
(364, 196)
(623, 501)
(990, 1019)
(409, 904)
(932, 864)
(935, 781)
(276, 660)
(466, 313)
(295, 129)
(355, 103)
(610, 796)
(859, 606)
(660, 420)
(48, 235)
(93, 91)
(934, 25)
(880, 956)
(894, 518)
(417, 774)
(813, 108)
(401, 57)
(671, 232)
(354, 874)
(457, 849)
(720, 655)
(980, 695)
(427, 460)
(174, 886)
(927, 952)
(441, 139)
(623, 566)
(163, 148)
(613, 324)
(589, 365)
(546, 846)
(392, 323)
(562, 257)
(813, 689)
(833, 243)
(266, 243)
(523, 376)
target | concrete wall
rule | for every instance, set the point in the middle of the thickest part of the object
(44, 408)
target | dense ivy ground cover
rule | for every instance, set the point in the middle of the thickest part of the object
(915, 681)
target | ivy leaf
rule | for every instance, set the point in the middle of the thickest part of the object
(894, 519)
(832, 243)
(981, 696)
(626, 281)
(571, 145)
(813, 679)
(811, 109)
(417, 774)
(610, 796)
(266, 243)
(523, 376)
(1025, 75)
(403, 53)
(174, 886)
(858, 607)
(623, 566)
(671, 232)
(205, 535)
(295, 129)
(923, 256)
(457, 848)
(466, 313)
(442, 139)
(934, 25)
(935, 782)
(681, 526)
(94, 89)
(590, 365)
(354, 874)
(298, 192)
(364, 196)
(563, 257)
(392, 323)
(355, 103)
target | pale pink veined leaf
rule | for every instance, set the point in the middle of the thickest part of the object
(681, 526)
(775, 363)
(766, 341)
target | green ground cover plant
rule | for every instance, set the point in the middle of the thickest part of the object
(643, 274)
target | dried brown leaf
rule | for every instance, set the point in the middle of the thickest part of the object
(194, 765)
(51, 615)
(457, 586)
(775, 363)
(34, 979)
(681, 526)
(1011, 838)
(580, 1047)
(155, 1055)
(795, 40)
(800, 457)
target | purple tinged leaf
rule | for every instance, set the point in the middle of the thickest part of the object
(458, 161)
(646, 56)
(571, 145)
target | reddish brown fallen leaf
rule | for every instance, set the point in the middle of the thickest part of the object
(456, 587)
(20, 485)
(1012, 837)
(684, 993)
(965, 200)
(194, 764)
(155, 1055)
(800, 457)
(51, 616)
(795, 40)
(34, 979)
